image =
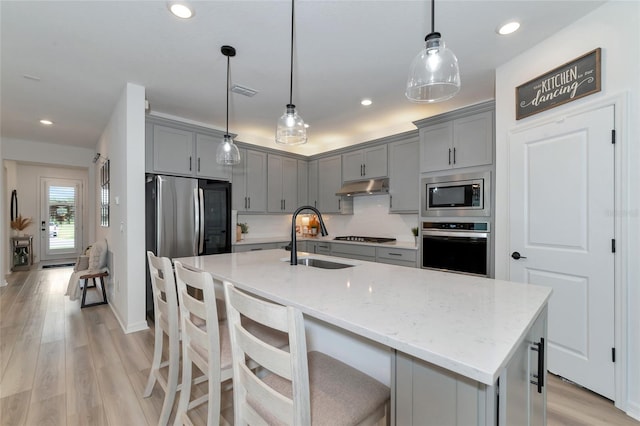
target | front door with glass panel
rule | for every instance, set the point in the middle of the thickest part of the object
(60, 219)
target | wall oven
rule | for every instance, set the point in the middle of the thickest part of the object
(463, 247)
(467, 194)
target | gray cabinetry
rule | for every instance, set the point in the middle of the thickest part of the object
(329, 182)
(404, 196)
(184, 152)
(425, 394)
(313, 184)
(303, 183)
(239, 248)
(354, 251)
(322, 247)
(282, 184)
(397, 256)
(249, 188)
(458, 143)
(206, 165)
(367, 163)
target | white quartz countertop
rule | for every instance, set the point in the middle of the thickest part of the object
(466, 324)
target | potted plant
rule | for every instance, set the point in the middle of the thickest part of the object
(414, 231)
(244, 229)
(19, 224)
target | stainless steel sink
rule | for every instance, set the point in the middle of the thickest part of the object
(323, 264)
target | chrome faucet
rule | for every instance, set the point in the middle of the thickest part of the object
(294, 248)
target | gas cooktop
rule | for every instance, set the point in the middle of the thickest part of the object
(365, 239)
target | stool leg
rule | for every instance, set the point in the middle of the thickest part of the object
(104, 292)
(84, 292)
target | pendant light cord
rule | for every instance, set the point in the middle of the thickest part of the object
(433, 15)
(291, 70)
(228, 66)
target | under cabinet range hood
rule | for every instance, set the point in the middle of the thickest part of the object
(364, 187)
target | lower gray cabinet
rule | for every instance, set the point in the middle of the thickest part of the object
(323, 247)
(424, 394)
(239, 248)
(354, 251)
(397, 256)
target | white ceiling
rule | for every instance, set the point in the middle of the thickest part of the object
(83, 53)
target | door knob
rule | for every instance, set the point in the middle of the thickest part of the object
(517, 256)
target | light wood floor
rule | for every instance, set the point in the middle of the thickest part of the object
(62, 365)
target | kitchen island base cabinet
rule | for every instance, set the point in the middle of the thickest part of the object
(424, 394)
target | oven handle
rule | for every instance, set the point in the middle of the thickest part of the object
(459, 234)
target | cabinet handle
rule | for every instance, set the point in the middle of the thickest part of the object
(394, 254)
(538, 379)
(245, 202)
(449, 155)
(390, 201)
(198, 164)
(249, 204)
(189, 163)
(454, 156)
(255, 249)
(339, 202)
(360, 169)
(364, 170)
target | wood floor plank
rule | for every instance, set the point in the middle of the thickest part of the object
(131, 354)
(118, 396)
(49, 412)
(83, 395)
(75, 325)
(49, 379)
(54, 322)
(20, 371)
(103, 350)
(14, 409)
(8, 337)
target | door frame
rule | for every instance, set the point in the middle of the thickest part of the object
(622, 165)
(79, 237)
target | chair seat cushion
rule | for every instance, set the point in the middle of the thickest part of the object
(339, 394)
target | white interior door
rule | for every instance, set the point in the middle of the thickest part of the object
(61, 218)
(562, 226)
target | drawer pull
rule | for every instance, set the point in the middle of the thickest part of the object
(394, 254)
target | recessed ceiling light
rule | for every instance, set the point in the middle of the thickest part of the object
(46, 122)
(306, 125)
(508, 28)
(181, 10)
(366, 102)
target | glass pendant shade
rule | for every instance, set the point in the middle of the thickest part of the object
(227, 153)
(434, 75)
(290, 129)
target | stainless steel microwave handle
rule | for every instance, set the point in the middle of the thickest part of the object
(459, 234)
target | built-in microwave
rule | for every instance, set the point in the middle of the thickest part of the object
(467, 194)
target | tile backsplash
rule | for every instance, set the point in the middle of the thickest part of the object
(370, 217)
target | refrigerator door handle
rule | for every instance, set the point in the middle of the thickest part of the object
(159, 217)
(200, 228)
(196, 212)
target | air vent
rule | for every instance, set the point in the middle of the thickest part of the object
(241, 90)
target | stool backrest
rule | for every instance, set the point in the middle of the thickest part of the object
(290, 407)
(165, 296)
(199, 320)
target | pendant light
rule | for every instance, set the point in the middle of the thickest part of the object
(227, 152)
(290, 129)
(434, 75)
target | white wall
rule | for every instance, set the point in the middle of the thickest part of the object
(29, 188)
(122, 142)
(615, 28)
(17, 152)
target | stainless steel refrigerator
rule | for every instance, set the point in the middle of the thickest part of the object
(186, 217)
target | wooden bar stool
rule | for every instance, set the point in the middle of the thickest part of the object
(86, 285)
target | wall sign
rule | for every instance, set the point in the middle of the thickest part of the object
(573, 80)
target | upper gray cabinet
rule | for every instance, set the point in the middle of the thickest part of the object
(282, 184)
(458, 143)
(367, 163)
(180, 151)
(303, 183)
(404, 175)
(249, 187)
(313, 184)
(329, 182)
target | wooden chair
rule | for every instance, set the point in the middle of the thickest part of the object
(165, 304)
(298, 388)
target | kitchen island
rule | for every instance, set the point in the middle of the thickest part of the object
(460, 348)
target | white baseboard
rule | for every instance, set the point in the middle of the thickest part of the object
(131, 328)
(633, 410)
